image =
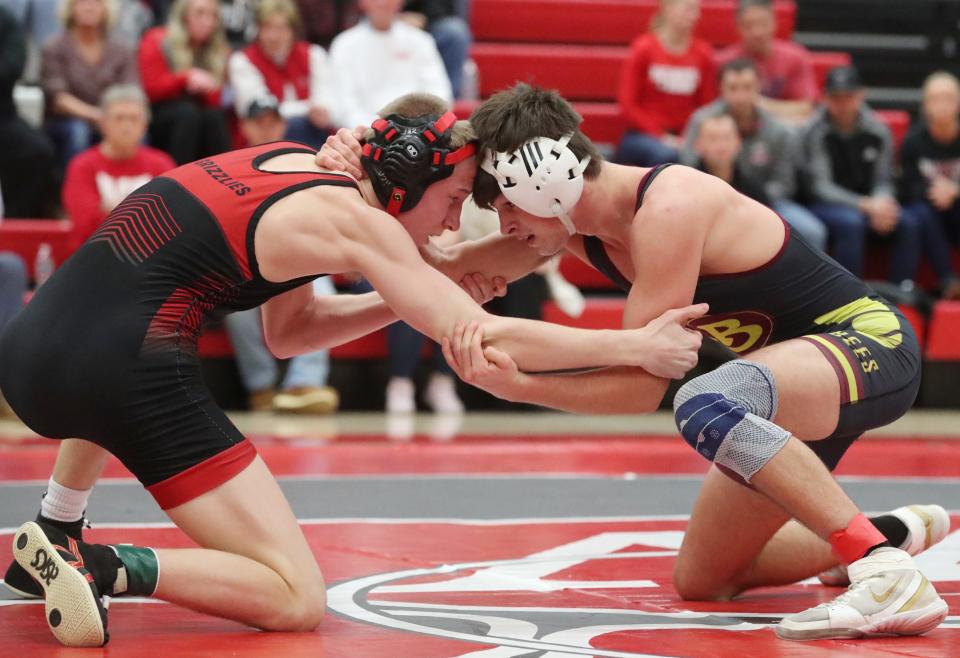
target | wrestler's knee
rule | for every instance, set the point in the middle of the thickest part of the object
(302, 611)
(692, 583)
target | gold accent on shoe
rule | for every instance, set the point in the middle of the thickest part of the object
(927, 524)
(916, 595)
(882, 598)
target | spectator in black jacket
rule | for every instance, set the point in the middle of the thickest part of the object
(849, 158)
(446, 21)
(27, 158)
(931, 175)
(718, 149)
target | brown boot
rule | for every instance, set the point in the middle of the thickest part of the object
(261, 400)
(307, 400)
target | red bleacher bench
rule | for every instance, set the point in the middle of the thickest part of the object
(613, 22)
(589, 73)
(215, 344)
(917, 320)
(943, 339)
(940, 386)
(898, 121)
(24, 237)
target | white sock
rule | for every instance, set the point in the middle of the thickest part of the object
(62, 503)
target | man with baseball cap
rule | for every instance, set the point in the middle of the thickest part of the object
(849, 154)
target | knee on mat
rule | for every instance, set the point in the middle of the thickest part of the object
(302, 614)
(691, 588)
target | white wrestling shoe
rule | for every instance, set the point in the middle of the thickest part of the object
(926, 525)
(889, 596)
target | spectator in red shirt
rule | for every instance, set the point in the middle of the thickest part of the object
(103, 175)
(183, 66)
(293, 71)
(667, 76)
(788, 84)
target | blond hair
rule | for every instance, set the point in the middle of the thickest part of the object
(413, 106)
(109, 14)
(658, 19)
(267, 9)
(211, 56)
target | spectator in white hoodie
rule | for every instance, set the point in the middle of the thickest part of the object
(381, 59)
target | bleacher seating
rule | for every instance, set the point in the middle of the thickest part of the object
(24, 237)
(602, 21)
(590, 73)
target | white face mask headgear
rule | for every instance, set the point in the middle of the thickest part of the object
(543, 177)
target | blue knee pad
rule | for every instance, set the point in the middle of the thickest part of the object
(725, 416)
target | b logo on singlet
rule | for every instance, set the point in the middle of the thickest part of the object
(741, 331)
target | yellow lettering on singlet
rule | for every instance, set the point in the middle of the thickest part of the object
(869, 317)
(724, 331)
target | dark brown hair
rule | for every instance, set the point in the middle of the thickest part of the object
(513, 116)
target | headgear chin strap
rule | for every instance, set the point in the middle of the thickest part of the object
(543, 177)
(407, 155)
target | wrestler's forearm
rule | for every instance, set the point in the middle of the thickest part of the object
(433, 305)
(492, 256)
(346, 317)
(606, 391)
(542, 346)
(337, 319)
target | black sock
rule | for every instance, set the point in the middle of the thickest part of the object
(72, 528)
(885, 544)
(892, 528)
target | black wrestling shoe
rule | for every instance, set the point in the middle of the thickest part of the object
(55, 561)
(19, 581)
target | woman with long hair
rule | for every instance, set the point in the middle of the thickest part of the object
(77, 67)
(281, 65)
(183, 67)
(668, 75)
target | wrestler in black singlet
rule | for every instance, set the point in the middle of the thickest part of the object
(803, 293)
(107, 348)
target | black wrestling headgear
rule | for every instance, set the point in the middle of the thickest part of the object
(406, 156)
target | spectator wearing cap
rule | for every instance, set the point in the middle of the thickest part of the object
(446, 21)
(668, 74)
(262, 122)
(718, 148)
(849, 154)
(27, 160)
(788, 83)
(769, 150)
(303, 388)
(77, 67)
(380, 59)
(931, 175)
(99, 178)
(183, 66)
(291, 70)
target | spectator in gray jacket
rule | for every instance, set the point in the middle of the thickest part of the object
(849, 153)
(769, 153)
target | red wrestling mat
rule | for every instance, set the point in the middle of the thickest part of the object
(557, 589)
(32, 459)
